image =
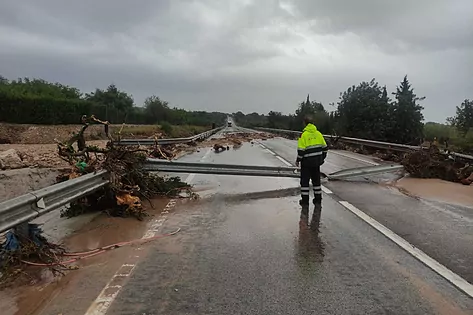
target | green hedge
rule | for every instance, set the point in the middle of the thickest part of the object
(46, 110)
(52, 111)
(43, 110)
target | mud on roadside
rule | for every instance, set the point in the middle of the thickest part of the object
(44, 294)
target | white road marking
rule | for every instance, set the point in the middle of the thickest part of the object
(109, 292)
(354, 158)
(105, 299)
(283, 160)
(326, 190)
(271, 152)
(443, 271)
(190, 177)
(206, 155)
(262, 145)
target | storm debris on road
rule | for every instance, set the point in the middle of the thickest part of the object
(219, 148)
(235, 140)
(429, 162)
(433, 163)
(31, 247)
(128, 182)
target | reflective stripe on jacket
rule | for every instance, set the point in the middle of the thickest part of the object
(311, 146)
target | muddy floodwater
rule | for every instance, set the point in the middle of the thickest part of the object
(438, 190)
(41, 293)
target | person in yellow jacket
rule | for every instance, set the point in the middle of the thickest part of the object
(311, 154)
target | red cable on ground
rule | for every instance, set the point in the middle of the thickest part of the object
(100, 250)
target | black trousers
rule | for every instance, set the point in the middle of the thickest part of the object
(307, 174)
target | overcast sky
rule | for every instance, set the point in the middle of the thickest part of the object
(249, 55)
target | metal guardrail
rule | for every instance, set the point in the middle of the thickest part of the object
(34, 204)
(260, 171)
(200, 136)
(155, 165)
(27, 207)
(369, 143)
(365, 171)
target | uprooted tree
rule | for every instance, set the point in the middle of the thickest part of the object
(433, 163)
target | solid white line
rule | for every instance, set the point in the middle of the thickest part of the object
(354, 158)
(326, 190)
(273, 153)
(443, 271)
(283, 160)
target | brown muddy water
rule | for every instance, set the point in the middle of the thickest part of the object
(42, 290)
(437, 190)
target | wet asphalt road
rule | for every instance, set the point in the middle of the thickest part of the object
(254, 255)
(443, 231)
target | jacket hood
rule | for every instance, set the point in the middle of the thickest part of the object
(310, 128)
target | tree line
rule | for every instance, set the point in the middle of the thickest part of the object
(36, 101)
(367, 111)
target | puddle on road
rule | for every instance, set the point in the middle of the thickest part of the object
(32, 295)
(437, 190)
(309, 247)
(244, 197)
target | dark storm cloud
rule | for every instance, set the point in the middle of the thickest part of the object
(427, 24)
(250, 55)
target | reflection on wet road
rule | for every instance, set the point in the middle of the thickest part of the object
(443, 231)
(260, 253)
(310, 248)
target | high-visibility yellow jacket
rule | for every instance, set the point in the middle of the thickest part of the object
(311, 147)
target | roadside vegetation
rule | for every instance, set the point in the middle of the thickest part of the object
(36, 101)
(369, 111)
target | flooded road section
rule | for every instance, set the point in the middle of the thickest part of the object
(246, 248)
(437, 190)
(433, 215)
(256, 254)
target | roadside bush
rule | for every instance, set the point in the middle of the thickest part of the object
(44, 110)
(167, 128)
(440, 131)
(463, 144)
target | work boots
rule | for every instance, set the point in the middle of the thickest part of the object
(304, 201)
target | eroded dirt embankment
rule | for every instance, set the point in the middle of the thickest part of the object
(46, 134)
(14, 183)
